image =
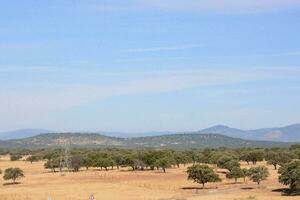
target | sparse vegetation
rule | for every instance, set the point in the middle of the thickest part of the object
(203, 165)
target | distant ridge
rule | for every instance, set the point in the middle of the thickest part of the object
(289, 133)
(22, 133)
(173, 141)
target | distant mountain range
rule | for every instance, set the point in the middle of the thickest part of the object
(289, 133)
(174, 141)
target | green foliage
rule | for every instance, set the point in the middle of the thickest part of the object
(15, 157)
(252, 155)
(13, 174)
(52, 164)
(295, 146)
(258, 174)
(290, 174)
(279, 158)
(164, 162)
(202, 174)
(76, 162)
(227, 162)
(33, 158)
(245, 173)
(236, 172)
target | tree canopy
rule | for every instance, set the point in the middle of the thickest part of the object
(13, 174)
(258, 174)
(202, 174)
(290, 174)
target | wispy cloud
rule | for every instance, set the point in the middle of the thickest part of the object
(66, 96)
(28, 103)
(217, 6)
(158, 49)
(223, 5)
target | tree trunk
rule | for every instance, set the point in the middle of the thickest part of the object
(164, 169)
(235, 180)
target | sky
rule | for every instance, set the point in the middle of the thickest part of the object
(149, 65)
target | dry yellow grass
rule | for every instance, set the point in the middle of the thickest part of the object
(39, 184)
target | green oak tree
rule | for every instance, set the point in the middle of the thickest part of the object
(290, 174)
(13, 174)
(258, 174)
(202, 174)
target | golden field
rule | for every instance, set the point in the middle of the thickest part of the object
(123, 184)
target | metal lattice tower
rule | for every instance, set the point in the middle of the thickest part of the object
(65, 163)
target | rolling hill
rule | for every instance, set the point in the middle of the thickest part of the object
(289, 133)
(176, 141)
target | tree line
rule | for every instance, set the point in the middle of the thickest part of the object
(284, 159)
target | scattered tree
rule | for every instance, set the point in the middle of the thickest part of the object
(245, 173)
(279, 158)
(258, 174)
(227, 162)
(52, 164)
(32, 158)
(255, 156)
(236, 172)
(13, 174)
(76, 163)
(202, 174)
(290, 175)
(15, 157)
(163, 163)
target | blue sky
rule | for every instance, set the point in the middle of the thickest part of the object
(141, 65)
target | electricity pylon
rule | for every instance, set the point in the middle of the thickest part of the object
(65, 163)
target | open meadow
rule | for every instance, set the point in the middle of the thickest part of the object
(124, 184)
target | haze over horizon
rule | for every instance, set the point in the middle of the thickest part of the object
(140, 65)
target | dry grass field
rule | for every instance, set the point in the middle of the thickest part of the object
(124, 184)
